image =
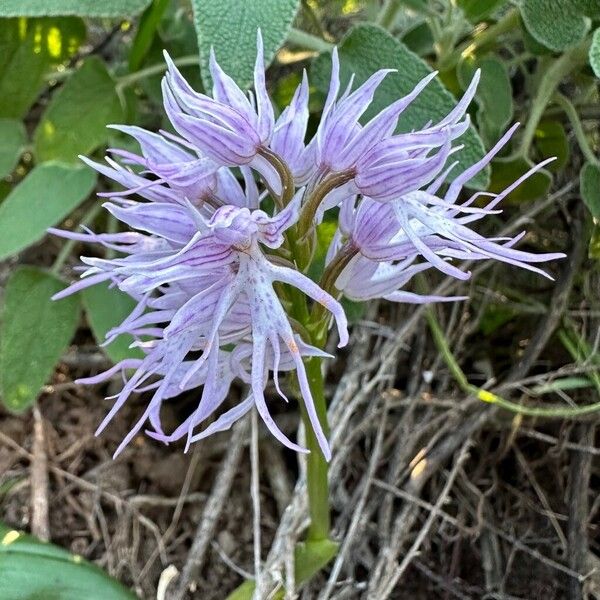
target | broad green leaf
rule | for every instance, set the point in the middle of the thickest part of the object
(551, 140)
(81, 8)
(29, 49)
(367, 48)
(230, 27)
(505, 172)
(76, 118)
(557, 24)
(419, 39)
(32, 570)
(45, 197)
(595, 53)
(589, 186)
(12, 140)
(309, 558)
(106, 308)
(145, 33)
(35, 333)
(494, 94)
(478, 10)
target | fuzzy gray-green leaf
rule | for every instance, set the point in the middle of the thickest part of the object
(230, 27)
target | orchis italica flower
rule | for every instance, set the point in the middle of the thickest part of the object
(216, 278)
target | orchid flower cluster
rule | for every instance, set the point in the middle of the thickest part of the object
(214, 271)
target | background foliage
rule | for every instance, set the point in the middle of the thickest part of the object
(69, 68)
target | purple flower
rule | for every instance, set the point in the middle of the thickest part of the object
(390, 236)
(230, 128)
(209, 281)
(213, 274)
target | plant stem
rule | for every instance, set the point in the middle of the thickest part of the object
(487, 396)
(182, 61)
(317, 483)
(297, 37)
(557, 70)
(507, 23)
(317, 468)
(388, 14)
(573, 117)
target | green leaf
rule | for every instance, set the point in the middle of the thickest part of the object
(106, 308)
(230, 27)
(479, 10)
(145, 33)
(309, 558)
(81, 8)
(13, 136)
(551, 140)
(76, 118)
(419, 39)
(589, 186)
(367, 48)
(595, 53)
(506, 171)
(562, 384)
(35, 333)
(32, 570)
(557, 24)
(29, 49)
(47, 195)
(494, 94)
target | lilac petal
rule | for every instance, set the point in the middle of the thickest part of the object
(461, 108)
(227, 419)
(411, 298)
(272, 228)
(81, 285)
(129, 363)
(169, 221)
(154, 146)
(290, 129)
(458, 183)
(311, 289)
(225, 89)
(258, 362)
(264, 107)
(309, 404)
(382, 125)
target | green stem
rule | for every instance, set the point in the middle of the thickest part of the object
(316, 466)
(481, 38)
(557, 70)
(308, 41)
(490, 397)
(317, 483)
(158, 69)
(389, 13)
(309, 210)
(578, 130)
